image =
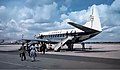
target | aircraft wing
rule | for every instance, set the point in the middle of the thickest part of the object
(86, 29)
(38, 40)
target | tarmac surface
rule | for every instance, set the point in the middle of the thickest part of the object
(105, 56)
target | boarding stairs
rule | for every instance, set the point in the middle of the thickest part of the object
(62, 43)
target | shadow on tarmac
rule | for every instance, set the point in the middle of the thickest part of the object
(88, 50)
(95, 51)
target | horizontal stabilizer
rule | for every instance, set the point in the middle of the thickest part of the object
(86, 29)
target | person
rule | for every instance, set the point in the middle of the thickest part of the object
(50, 46)
(22, 51)
(43, 47)
(33, 52)
(83, 46)
(28, 49)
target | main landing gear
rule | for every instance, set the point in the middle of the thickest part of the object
(70, 46)
(83, 46)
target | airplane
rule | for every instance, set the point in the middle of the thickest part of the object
(71, 36)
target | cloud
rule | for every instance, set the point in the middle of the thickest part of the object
(12, 26)
(25, 13)
(79, 17)
(45, 12)
(63, 24)
(3, 13)
(26, 20)
(2, 9)
(34, 3)
(109, 16)
(45, 15)
(110, 13)
(64, 16)
(67, 3)
(12, 29)
(63, 8)
(115, 5)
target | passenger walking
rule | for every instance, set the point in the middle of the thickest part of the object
(43, 47)
(33, 52)
(28, 49)
(22, 51)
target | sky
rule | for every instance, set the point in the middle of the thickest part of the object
(30, 17)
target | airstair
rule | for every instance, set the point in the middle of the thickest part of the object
(62, 43)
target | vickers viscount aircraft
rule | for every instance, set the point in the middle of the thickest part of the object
(71, 36)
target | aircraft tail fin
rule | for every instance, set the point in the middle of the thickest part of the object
(94, 22)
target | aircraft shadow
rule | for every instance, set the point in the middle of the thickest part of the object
(95, 51)
(87, 50)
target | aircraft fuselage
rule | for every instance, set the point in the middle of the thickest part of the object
(78, 35)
